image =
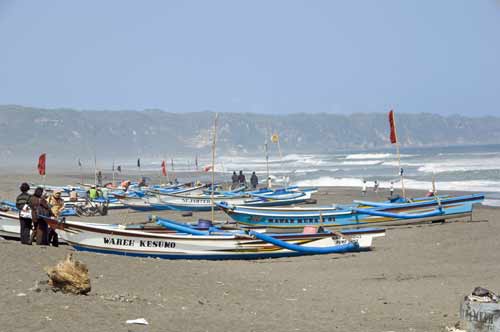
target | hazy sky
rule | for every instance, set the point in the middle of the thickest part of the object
(253, 56)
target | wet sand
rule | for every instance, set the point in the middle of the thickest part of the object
(412, 280)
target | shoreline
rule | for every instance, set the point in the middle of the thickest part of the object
(413, 279)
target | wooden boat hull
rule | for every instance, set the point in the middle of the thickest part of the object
(102, 239)
(10, 227)
(204, 202)
(454, 207)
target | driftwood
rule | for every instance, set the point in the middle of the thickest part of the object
(69, 276)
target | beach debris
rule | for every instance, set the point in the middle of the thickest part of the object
(480, 311)
(21, 294)
(480, 294)
(69, 276)
(121, 298)
(36, 288)
(139, 321)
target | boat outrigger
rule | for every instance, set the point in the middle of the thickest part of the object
(360, 214)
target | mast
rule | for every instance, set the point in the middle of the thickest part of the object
(95, 168)
(266, 148)
(214, 141)
(394, 140)
(113, 169)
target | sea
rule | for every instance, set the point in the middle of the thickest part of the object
(461, 168)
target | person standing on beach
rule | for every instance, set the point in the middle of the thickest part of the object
(392, 188)
(269, 182)
(375, 186)
(241, 179)
(99, 179)
(363, 189)
(254, 180)
(40, 208)
(56, 204)
(23, 202)
(234, 180)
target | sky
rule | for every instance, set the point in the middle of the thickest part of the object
(273, 56)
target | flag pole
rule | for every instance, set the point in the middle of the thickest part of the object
(81, 170)
(401, 171)
(95, 168)
(213, 166)
(113, 169)
(139, 167)
(166, 169)
(266, 148)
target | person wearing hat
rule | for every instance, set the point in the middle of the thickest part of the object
(56, 204)
(23, 202)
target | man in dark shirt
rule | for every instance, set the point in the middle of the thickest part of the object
(23, 202)
(241, 179)
(254, 180)
(234, 180)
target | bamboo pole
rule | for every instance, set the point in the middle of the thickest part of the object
(113, 169)
(214, 141)
(81, 171)
(95, 168)
(401, 171)
(266, 148)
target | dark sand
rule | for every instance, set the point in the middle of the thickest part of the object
(412, 280)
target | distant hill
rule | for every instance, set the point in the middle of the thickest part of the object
(67, 134)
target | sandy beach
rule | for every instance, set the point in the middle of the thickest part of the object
(412, 280)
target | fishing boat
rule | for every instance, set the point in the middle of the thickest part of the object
(11, 206)
(360, 214)
(9, 225)
(184, 202)
(190, 243)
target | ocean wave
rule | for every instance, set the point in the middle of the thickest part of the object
(358, 156)
(469, 185)
(310, 170)
(461, 165)
(396, 163)
(491, 202)
(369, 156)
(362, 162)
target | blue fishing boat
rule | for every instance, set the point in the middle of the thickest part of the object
(11, 206)
(203, 202)
(358, 214)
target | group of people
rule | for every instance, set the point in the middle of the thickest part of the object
(376, 187)
(239, 180)
(32, 210)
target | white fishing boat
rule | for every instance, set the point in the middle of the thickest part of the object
(190, 243)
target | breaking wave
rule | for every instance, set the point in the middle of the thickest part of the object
(472, 185)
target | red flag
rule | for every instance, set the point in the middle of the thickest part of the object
(41, 164)
(207, 168)
(392, 124)
(163, 168)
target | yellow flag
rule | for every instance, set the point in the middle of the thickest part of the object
(275, 138)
